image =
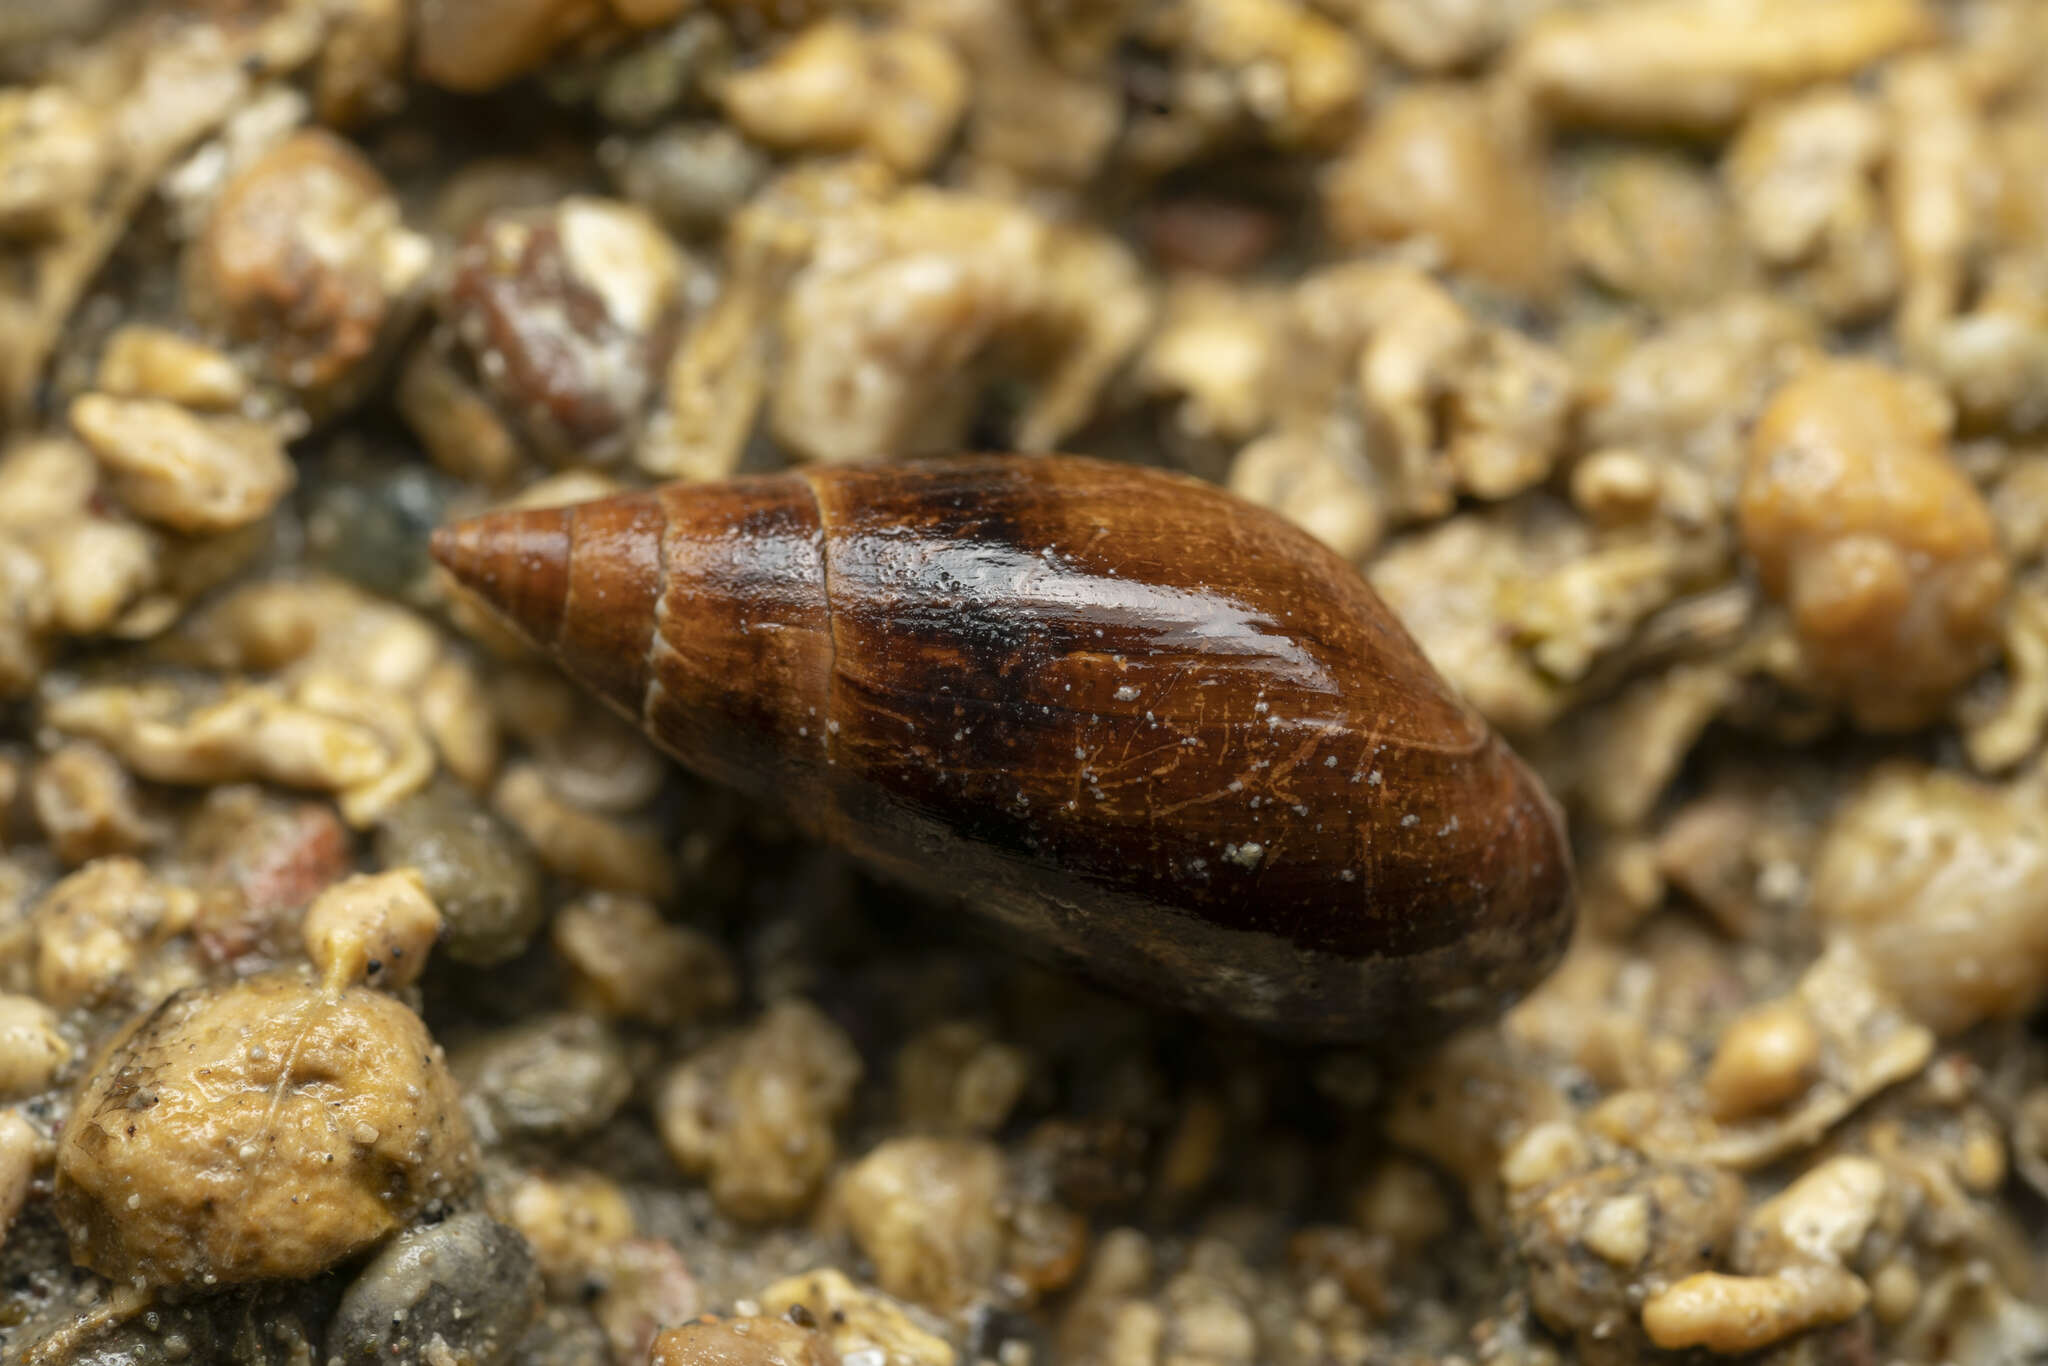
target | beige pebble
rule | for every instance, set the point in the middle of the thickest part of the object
(87, 804)
(1765, 1058)
(1546, 1153)
(860, 1323)
(477, 45)
(1882, 550)
(192, 473)
(248, 1165)
(142, 361)
(626, 960)
(97, 931)
(1819, 1219)
(20, 1155)
(1981, 1163)
(1733, 1314)
(755, 1112)
(56, 150)
(591, 848)
(98, 572)
(25, 610)
(1619, 1229)
(1194, 1149)
(1325, 492)
(752, 1341)
(1653, 226)
(31, 1048)
(1939, 883)
(375, 929)
(1403, 1201)
(955, 1079)
(924, 1210)
(1894, 1292)
(896, 296)
(647, 1285)
(570, 1218)
(461, 428)
(1435, 163)
(1614, 486)
(1700, 66)
(327, 732)
(458, 718)
(894, 92)
(1213, 354)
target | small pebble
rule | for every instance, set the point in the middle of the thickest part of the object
(477, 871)
(557, 1077)
(1765, 1058)
(248, 1169)
(468, 1282)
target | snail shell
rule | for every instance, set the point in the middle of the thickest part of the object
(1163, 735)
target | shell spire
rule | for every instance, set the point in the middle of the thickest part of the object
(697, 611)
(578, 583)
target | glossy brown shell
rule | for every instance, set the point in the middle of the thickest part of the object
(1163, 735)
